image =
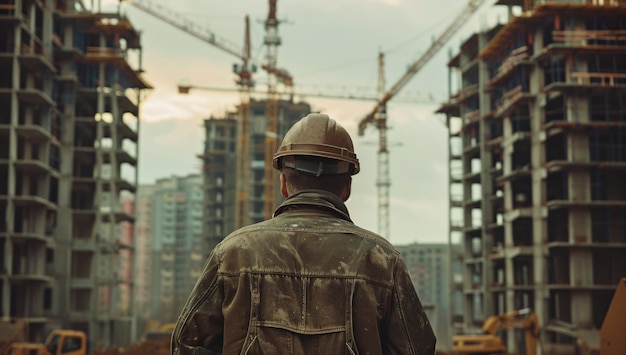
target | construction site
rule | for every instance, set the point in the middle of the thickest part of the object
(537, 161)
(536, 127)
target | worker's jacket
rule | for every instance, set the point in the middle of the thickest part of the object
(307, 281)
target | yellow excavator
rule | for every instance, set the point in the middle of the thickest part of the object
(612, 332)
(490, 341)
(60, 341)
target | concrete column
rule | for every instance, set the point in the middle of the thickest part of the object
(538, 184)
(46, 37)
(11, 179)
(581, 306)
(486, 181)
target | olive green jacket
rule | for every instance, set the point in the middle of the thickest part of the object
(307, 281)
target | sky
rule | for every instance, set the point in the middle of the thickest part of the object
(330, 46)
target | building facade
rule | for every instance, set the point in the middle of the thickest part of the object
(219, 162)
(69, 114)
(143, 256)
(431, 271)
(172, 209)
(537, 165)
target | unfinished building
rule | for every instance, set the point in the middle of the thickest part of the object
(220, 171)
(69, 109)
(537, 133)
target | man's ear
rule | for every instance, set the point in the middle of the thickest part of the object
(283, 186)
(345, 193)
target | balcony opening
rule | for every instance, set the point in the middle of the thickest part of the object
(81, 264)
(522, 193)
(47, 299)
(523, 272)
(607, 146)
(4, 141)
(556, 148)
(522, 232)
(558, 267)
(609, 266)
(3, 221)
(607, 106)
(4, 179)
(558, 226)
(608, 225)
(557, 186)
(555, 110)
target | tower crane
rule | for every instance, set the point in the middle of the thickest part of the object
(292, 92)
(272, 41)
(378, 116)
(245, 83)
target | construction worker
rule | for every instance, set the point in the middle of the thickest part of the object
(307, 281)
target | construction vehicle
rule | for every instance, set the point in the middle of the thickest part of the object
(612, 333)
(164, 332)
(490, 342)
(612, 339)
(60, 341)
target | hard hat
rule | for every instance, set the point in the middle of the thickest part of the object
(317, 136)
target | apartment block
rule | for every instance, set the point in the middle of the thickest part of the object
(433, 272)
(219, 165)
(537, 132)
(171, 216)
(222, 177)
(143, 255)
(69, 108)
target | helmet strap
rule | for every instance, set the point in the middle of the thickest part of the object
(317, 167)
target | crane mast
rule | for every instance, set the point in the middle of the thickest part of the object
(272, 41)
(243, 143)
(378, 115)
(383, 182)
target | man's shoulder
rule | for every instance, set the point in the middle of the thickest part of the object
(276, 227)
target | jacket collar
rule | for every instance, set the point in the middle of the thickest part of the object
(315, 198)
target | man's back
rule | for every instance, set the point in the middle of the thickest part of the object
(309, 281)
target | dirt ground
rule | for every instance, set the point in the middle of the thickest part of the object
(146, 347)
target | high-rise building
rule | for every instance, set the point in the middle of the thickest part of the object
(69, 113)
(219, 163)
(172, 209)
(220, 169)
(143, 256)
(538, 164)
(431, 270)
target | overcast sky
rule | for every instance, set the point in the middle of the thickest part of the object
(329, 45)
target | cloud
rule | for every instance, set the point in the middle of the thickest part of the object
(169, 147)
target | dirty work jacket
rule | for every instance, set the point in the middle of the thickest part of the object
(307, 281)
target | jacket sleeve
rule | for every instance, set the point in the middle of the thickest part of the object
(199, 328)
(408, 330)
